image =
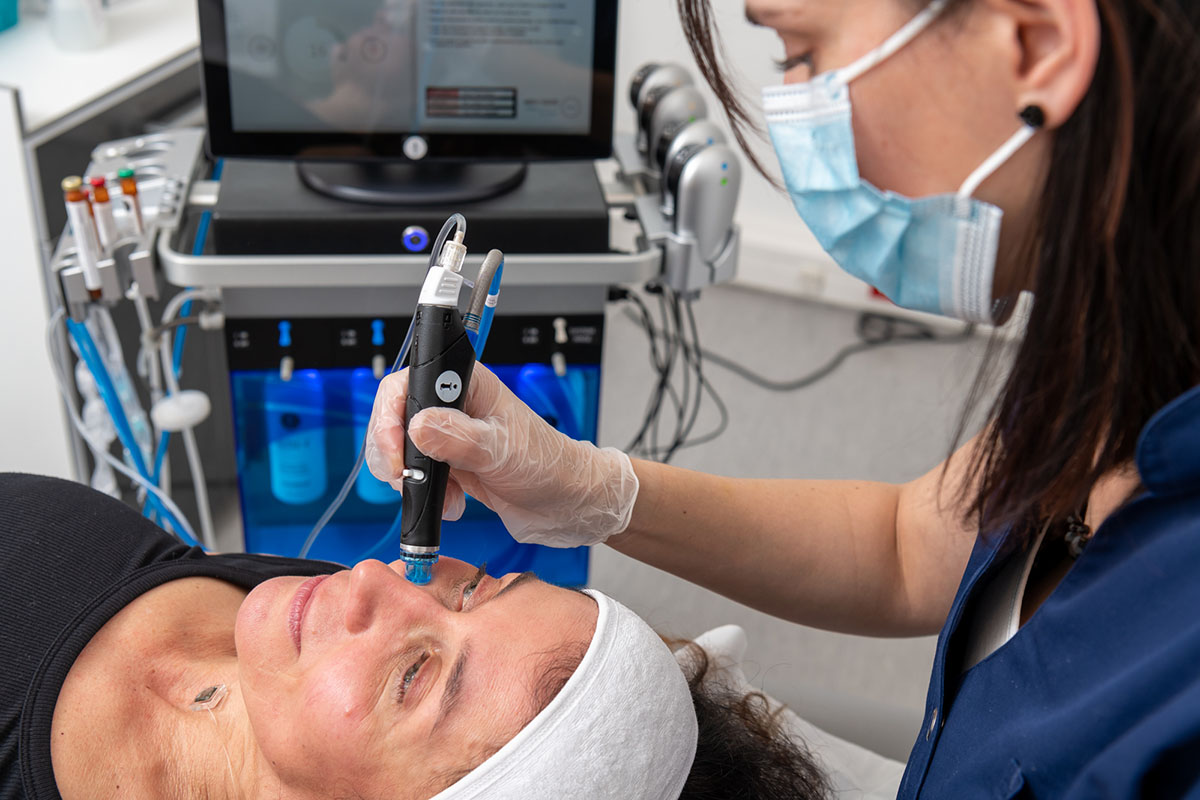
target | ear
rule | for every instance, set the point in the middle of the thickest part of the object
(1056, 44)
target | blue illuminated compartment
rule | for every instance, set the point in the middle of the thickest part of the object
(297, 440)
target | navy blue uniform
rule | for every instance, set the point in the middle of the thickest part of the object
(1098, 694)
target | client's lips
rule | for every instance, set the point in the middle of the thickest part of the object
(299, 605)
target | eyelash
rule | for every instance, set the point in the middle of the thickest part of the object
(406, 680)
(786, 64)
(464, 590)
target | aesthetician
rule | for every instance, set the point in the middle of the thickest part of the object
(953, 154)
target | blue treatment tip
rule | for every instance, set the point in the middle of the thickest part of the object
(418, 569)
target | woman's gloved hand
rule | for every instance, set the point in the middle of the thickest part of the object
(547, 488)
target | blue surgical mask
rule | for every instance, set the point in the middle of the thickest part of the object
(935, 254)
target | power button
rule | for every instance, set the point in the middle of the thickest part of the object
(415, 238)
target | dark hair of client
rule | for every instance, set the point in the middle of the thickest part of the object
(742, 750)
(1113, 335)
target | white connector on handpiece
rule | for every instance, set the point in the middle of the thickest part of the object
(444, 282)
(453, 253)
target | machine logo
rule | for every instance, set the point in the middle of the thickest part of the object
(415, 147)
(448, 386)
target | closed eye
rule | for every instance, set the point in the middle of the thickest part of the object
(466, 588)
(789, 64)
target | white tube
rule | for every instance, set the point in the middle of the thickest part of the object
(175, 303)
(149, 358)
(86, 246)
(106, 226)
(56, 360)
(165, 347)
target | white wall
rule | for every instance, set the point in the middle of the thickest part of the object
(33, 435)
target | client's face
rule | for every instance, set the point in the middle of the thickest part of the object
(362, 684)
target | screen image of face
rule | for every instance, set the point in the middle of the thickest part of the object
(410, 66)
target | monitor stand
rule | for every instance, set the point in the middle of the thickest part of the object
(409, 184)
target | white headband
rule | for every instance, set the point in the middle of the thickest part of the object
(623, 726)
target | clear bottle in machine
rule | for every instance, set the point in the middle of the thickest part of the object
(296, 436)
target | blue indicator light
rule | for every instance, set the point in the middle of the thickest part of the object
(285, 334)
(415, 238)
(377, 333)
(711, 140)
(725, 166)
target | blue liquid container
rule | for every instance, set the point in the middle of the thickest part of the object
(8, 13)
(296, 437)
(363, 387)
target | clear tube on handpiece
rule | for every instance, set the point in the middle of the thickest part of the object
(130, 190)
(102, 211)
(86, 246)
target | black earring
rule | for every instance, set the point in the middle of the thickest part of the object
(1033, 116)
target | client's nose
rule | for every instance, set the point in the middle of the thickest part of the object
(374, 588)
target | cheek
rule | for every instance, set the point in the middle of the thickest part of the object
(338, 697)
(315, 729)
(889, 138)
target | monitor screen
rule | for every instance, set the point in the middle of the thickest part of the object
(515, 79)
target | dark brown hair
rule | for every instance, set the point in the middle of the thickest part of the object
(1114, 333)
(742, 749)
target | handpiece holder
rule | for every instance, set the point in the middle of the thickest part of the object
(684, 267)
(695, 232)
(440, 364)
(165, 165)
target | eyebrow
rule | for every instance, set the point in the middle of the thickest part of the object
(524, 576)
(454, 684)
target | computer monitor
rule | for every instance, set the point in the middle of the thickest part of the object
(407, 92)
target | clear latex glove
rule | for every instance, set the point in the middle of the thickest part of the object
(547, 487)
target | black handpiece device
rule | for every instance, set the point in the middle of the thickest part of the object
(440, 364)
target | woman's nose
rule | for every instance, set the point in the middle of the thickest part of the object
(376, 588)
(370, 584)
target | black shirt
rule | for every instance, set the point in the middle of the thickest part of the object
(70, 559)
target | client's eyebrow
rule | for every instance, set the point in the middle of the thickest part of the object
(454, 684)
(524, 576)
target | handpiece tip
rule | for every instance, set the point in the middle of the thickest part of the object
(419, 570)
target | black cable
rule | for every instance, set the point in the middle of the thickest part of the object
(663, 388)
(656, 361)
(722, 425)
(874, 330)
(681, 417)
(694, 362)
(697, 349)
(665, 304)
(675, 347)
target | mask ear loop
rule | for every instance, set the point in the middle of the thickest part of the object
(894, 42)
(207, 700)
(1033, 119)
